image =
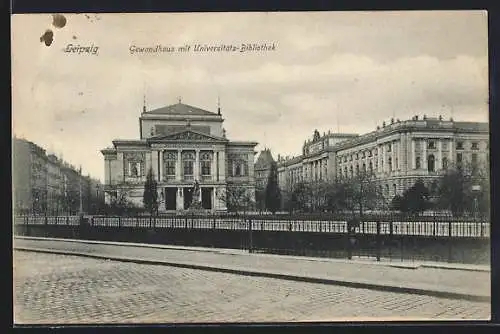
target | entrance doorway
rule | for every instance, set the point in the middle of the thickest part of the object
(188, 197)
(206, 198)
(170, 198)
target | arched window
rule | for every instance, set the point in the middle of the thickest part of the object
(417, 162)
(431, 163)
(445, 162)
(206, 163)
(188, 163)
(170, 159)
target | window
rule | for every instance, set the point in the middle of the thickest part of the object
(369, 154)
(371, 167)
(459, 158)
(239, 168)
(206, 163)
(389, 148)
(417, 162)
(351, 171)
(475, 146)
(169, 167)
(395, 189)
(188, 163)
(389, 163)
(133, 164)
(431, 145)
(460, 145)
(205, 168)
(445, 163)
(357, 156)
(170, 158)
(431, 163)
(474, 159)
(357, 169)
(364, 168)
(363, 155)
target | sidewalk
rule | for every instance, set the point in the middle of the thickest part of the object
(463, 282)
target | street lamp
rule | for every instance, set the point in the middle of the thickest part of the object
(475, 190)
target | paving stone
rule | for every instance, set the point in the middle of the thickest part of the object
(60, 289)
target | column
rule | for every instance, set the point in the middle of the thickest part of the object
(412, 154)
(379, 159)
(213, 166)
(439, 164)
(452, 157)
(400, 151)
(424, 158)
(214, 198)
(180, 199)
(222, 166)
(393, 156)
(384, 164)
(178, 166)
(250, 165)
(197, 165)
(154, 163)
(162, 172)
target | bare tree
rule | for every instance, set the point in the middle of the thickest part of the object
(237, 198)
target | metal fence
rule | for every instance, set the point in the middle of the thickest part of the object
(440, 240)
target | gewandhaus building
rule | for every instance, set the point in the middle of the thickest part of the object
(396, 154)
(181, 144)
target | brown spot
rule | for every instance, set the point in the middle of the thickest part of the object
(74, 37)
(58, 20)
(47, 37)
(80, 93)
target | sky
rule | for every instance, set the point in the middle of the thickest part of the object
(339, 71)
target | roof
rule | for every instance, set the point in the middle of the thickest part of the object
(264, 160)
(181, 109)
(473, 126)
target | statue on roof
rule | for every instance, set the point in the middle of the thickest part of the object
(316, 135)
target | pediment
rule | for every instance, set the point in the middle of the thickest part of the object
(188, 135)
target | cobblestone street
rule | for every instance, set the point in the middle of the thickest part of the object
(62, 289)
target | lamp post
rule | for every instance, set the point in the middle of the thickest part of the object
(80, 186)
(475, 190)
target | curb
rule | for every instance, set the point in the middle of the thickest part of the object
(289, 277)
(230, 251)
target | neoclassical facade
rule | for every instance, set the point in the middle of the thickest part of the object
(182, 145)
(398, 154)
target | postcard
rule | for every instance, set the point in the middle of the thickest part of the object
(250, 167)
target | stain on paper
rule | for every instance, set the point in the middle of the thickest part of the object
(47, 37)
(58, 20)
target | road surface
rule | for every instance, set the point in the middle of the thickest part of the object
(62, 289)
